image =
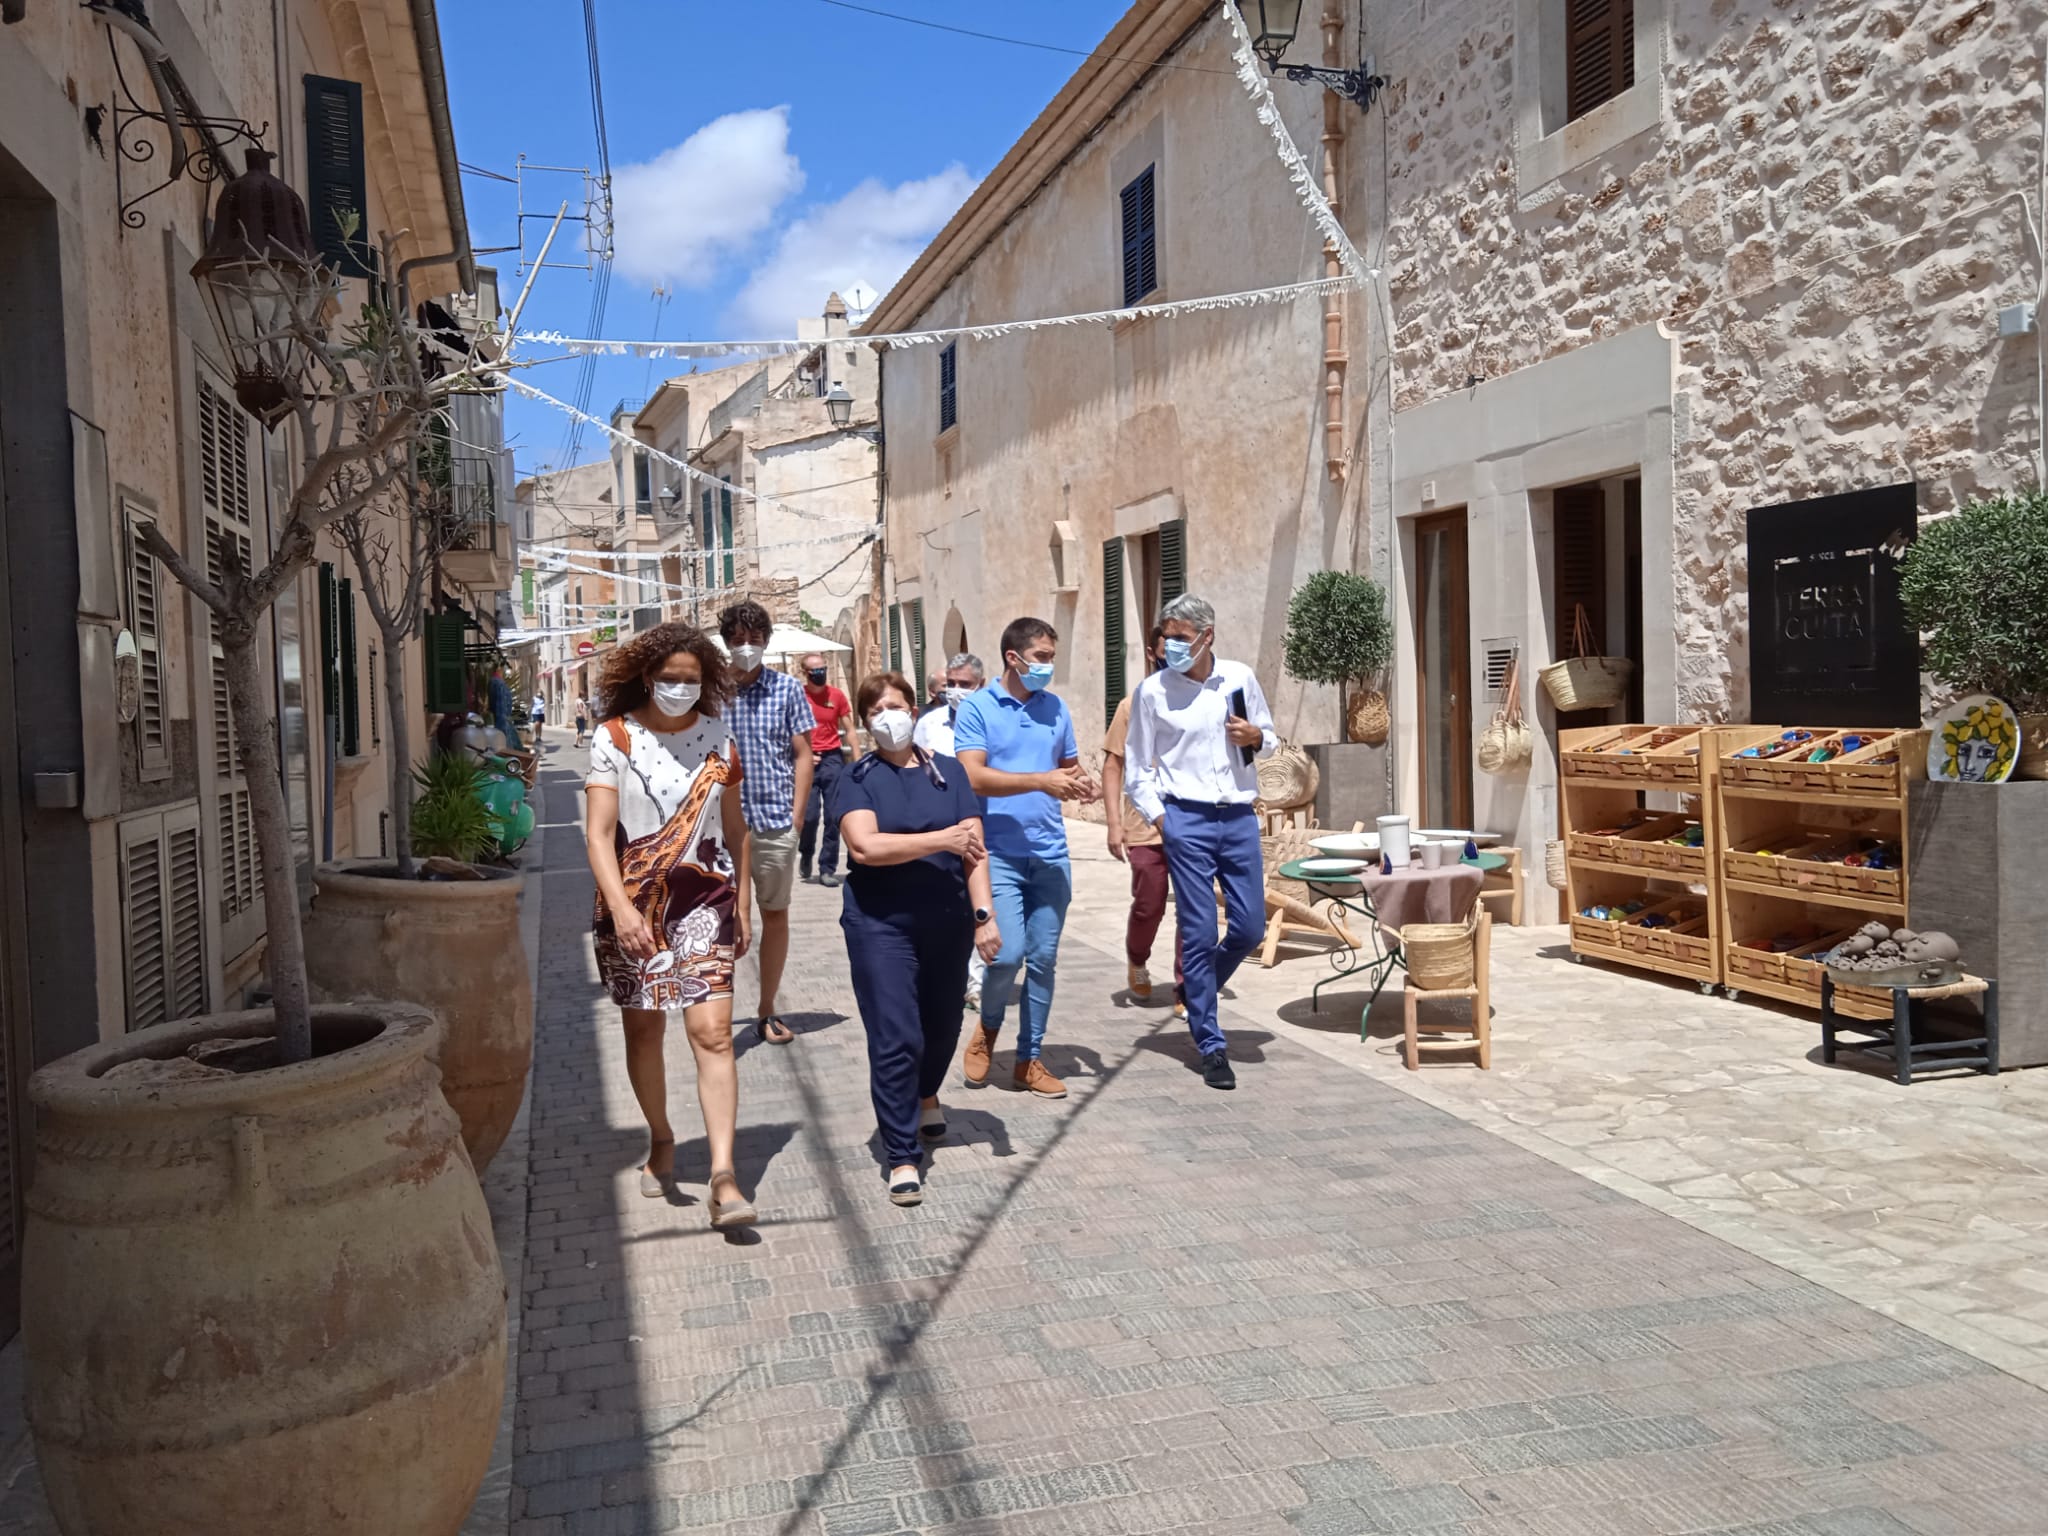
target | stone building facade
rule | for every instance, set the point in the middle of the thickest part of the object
(128, 878)
(1748, 255)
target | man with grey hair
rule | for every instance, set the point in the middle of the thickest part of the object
(1196, 727)
(964, 675)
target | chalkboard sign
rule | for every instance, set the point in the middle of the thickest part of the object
(1828, 639)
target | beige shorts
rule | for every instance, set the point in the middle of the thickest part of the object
(773, 867)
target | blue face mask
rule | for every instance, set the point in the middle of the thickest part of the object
(1180, 654)
(1036, 676)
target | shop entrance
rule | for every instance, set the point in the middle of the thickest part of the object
(1596, 555)
(1443, 669)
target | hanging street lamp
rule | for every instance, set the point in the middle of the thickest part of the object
(1274, 25)
(839, 405)
(261, 279)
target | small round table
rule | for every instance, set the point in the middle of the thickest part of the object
(1387, 903)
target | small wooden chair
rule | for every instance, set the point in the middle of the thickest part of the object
(1479, 1028)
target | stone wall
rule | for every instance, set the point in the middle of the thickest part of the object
(1824, 215)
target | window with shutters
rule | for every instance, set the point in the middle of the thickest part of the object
(447, 674)
(895, 637)
(227, 498)
(337, 200)
(1139, 212)
(949, 386)
(916, 623)
(342, 693)
(1173, 560)
(1113, 658)
(708, 539)
(150, 600)
(163, 916)
(1600, 53)
(725, 541)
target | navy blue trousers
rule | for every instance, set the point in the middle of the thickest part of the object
(1209, 846)
(910, 982)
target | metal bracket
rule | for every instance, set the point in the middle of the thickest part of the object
(179, 116)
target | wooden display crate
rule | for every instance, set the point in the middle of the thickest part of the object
(1664, 754)
(1796, 864)
(1644, 846)
(1876, 768)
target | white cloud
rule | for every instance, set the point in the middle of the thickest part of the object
(677, 216)
(870, 235)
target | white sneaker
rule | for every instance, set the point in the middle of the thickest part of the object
(1140, 981)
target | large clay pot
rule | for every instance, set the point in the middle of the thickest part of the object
(260, 1302)
(451, 946)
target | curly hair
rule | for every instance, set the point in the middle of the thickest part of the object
(622, 676)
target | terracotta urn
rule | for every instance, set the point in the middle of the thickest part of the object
(453, 948)
(260, 1300)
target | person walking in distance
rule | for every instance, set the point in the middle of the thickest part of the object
(1016, 741)
(1195, 728)
(1135, 841)
(917, 904)
(772, 721)
(582, 720)
(662, 822)
(830, 728)
(934, 694)
(963, 676)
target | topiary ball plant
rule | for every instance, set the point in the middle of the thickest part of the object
(1338, 631)
(1976, 584)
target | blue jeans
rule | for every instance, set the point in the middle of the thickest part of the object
(1208, 845)
(1031, 897)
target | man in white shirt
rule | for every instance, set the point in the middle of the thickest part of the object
(964, 675)
(1189, 773)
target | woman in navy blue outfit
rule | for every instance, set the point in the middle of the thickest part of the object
(917, 901)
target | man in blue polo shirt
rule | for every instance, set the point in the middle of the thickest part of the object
(1016, 741)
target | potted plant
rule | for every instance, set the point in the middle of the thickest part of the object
(259, 1291)
(1976, 586)
(1339, 632)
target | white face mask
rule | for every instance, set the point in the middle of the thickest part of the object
(747, 657)
(956, 694)
(892, 728)
(675, 698)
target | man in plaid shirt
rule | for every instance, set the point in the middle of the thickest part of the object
(772, 722)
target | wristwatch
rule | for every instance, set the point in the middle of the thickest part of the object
(983, 915)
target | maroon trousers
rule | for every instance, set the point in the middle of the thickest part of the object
(1148, 905)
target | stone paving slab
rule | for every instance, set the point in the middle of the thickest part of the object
(1317, 1305)
(1929, 1203)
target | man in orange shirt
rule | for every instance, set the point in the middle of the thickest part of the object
(829, 743)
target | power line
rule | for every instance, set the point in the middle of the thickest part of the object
(600, 292)
(1021, 42)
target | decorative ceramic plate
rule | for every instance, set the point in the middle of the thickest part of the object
(1346, 844)
(1333, 866)
(1458, 834)
(1976, 740)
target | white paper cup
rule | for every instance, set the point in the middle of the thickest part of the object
(1432, 855)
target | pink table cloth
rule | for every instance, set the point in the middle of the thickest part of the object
(1418, 895)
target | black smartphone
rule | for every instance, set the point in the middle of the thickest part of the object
(1239, 708)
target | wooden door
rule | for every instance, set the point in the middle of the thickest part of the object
(1578, 564)
(1443, 670)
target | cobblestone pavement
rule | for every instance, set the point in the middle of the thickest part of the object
(1316, 1305)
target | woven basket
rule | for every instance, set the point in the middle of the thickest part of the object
(1287, 778)
(2032, 762)
(1553, 863)
(1439, 956)
(1367, 717)
(1507, 743)
(1584, 680)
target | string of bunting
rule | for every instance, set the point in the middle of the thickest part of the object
(687, 471)
(627, 556)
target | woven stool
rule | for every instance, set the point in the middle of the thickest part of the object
(1895, 1040)
(1480, 1027)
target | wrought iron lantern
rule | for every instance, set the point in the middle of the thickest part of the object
(1274, 24)
(261, 278)
(839, 405)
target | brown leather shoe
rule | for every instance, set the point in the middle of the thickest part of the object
(975, 1060)
(1031, 1077)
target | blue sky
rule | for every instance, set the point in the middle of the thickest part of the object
(763, 151)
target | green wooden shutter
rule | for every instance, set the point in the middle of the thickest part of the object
(447, 693)
(896, 637)
(330, 648)
(725, 529)
(1173, 559)
(917, 641)
(351, 698)
(1112, 628)
(335, 184)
